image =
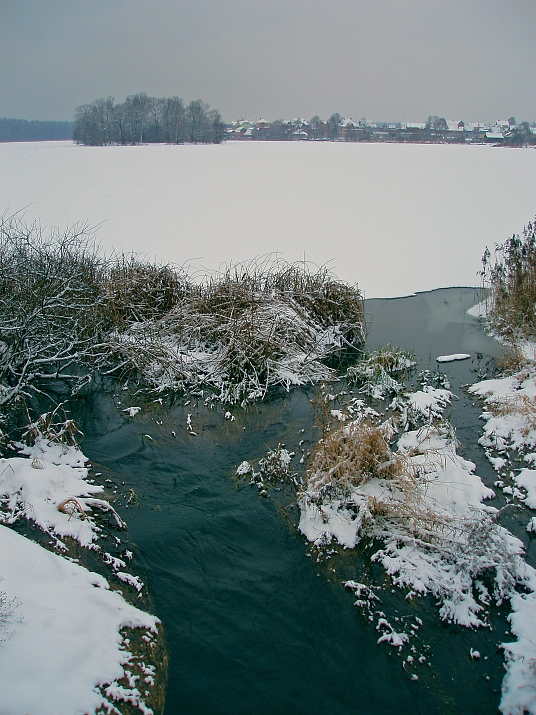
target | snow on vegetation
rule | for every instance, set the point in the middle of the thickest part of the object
(509, 434)
(47, 485)
(509, 439)
(67, 312)
(65, 635)
(380, 373)
(423, 507)
(396, 487)
(422, 502)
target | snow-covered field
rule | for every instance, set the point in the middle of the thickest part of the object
(394, 218)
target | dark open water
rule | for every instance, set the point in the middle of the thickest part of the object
(252, 624)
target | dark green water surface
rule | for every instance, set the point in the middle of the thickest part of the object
(254, 625)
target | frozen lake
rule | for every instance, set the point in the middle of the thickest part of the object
(394, 218)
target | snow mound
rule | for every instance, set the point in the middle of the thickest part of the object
(64, 637)
(453, 358)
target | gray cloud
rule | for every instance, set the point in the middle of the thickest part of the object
(384, 59)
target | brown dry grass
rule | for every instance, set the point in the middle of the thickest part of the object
(70, 506)
(352, 455)
(521, 406)
(54, 426)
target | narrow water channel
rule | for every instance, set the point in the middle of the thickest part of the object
(253, 624)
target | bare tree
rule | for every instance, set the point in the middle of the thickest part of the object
(334, 126)
(174, 120)
(316, 126)
(141, 119)
(196, 120)
(137, 110)
(217, 126)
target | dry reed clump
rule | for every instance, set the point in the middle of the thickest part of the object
(355, 454)
(380, 373)
(351, 456)
(138, 290)
(512, 280)
(521, 406)
(247, 330)
(326, 300)
(67, 312)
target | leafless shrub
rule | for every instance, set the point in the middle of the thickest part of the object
(50, 305)
(66, 311)
(512, 280)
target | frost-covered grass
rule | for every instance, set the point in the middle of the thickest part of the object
(396, 488)
(381, 373)
(67, 312)
(250, 328)
(422, 502)
(67, 639)
(417, 508)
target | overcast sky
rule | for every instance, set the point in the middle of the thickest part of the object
(380, 59)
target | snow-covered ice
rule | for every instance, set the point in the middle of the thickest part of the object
(394, 218)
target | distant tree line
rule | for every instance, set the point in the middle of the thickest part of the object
(22, 130)
(141, 119)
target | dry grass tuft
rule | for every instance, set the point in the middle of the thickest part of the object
(70, 506)
(138, 290)
(355, 454)
(351, 456)
(55, 427)
(521, 406)
(247, 329)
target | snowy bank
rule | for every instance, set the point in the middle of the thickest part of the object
(66, 638)
(423, 504)
(419, 511)
(509, 440)
(64, 650)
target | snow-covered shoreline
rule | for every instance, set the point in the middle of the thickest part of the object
(66, 640)
(442, 487)
(424, 508)
(509, 440)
